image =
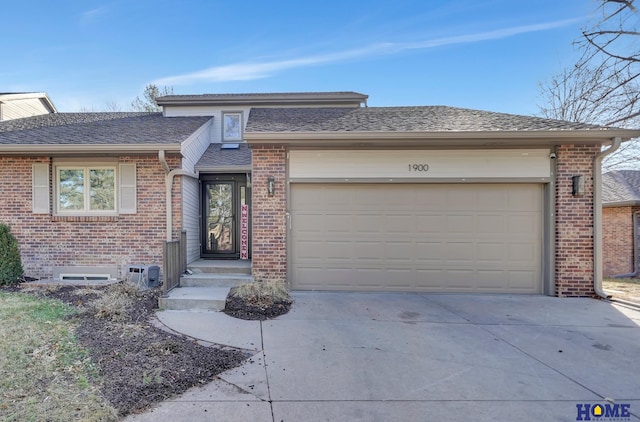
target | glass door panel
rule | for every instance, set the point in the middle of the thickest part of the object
(220, 218)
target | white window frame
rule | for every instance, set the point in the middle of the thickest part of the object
(225, 135)
(87, 189)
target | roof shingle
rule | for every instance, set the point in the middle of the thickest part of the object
(216, 157)
(98, 128)
(398, 119)
(621, 186)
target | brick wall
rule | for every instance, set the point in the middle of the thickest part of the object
(617, 240)
(574, 222)
(47, 241)
(269, 256)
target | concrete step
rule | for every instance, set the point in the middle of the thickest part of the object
(195, 298)
(220, 266)
(215, 280)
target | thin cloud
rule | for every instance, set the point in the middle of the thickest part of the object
(260, 70)
(89, 15)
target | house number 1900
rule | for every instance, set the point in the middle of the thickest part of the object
(418, 167)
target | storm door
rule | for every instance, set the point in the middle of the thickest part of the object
(225, 216)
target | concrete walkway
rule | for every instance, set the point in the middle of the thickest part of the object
(410, 357)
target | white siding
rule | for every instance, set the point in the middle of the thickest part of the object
(419, 164)
(16, 109)
(192, 150)
(191, 216)
(215, 112)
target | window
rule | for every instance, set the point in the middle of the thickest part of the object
(106, 188)
(86, 190)
(232, 126)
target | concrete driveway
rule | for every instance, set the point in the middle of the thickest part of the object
(412, 357)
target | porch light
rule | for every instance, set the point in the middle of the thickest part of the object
(271, 185)
(577, 186)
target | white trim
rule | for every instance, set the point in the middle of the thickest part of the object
(240, 115)
(86, 168)
(425, 165)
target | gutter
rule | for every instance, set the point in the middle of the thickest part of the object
(636, 254)
(550, 137)
(168, 181)
(597, 217)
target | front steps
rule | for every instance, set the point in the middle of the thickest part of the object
(208, 285)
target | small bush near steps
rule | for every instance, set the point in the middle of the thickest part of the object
(258, 301)
(10, 263)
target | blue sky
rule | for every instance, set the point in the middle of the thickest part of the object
(484, 54)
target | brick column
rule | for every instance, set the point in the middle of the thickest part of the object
(269, 253)
(574, 222)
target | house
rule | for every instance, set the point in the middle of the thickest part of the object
(620, 219)
(314, 188)
(16, 105)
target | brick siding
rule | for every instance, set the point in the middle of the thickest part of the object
(47, 241)
(574, 218)
(269, 254)
(574, 222)
(617, 240)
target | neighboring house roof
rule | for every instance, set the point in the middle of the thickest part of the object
(15, 105)
(346, 98)
(107, 132)
(621, 188)
(420, 123)
(219, 158)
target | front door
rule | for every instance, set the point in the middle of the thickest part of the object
(225, 216)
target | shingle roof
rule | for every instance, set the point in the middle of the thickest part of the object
(398, 119)
(98, 128)
(621, 186)
(216, 157)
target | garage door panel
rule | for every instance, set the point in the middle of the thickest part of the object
(428, 223)
(494, 253)
(524, 252)
(460, 223)
(460, 253)
(436, 238)
(522, 280)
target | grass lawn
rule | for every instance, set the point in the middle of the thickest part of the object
(623, 288)
(46, 374)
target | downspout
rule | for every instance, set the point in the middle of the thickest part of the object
(597, 217)
(636, 258)
(168, 182)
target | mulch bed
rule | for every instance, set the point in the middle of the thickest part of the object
(140, 364)
(239, 308)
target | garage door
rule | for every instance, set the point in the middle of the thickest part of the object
(417, 237)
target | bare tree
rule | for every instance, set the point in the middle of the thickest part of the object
(603, 86)
(112, 105)
(148, 101)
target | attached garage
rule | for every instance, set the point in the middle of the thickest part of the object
(427, 199)
(482, 238)
(467, 221)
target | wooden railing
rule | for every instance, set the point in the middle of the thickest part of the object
(174, 262)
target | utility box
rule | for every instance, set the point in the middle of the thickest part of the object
(153, 276)
(143, 276)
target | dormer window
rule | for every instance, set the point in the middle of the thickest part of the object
(232, 126)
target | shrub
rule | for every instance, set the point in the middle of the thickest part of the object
(10, 264)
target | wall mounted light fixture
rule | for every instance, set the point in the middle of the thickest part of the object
(271, 185)
(577, 188)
